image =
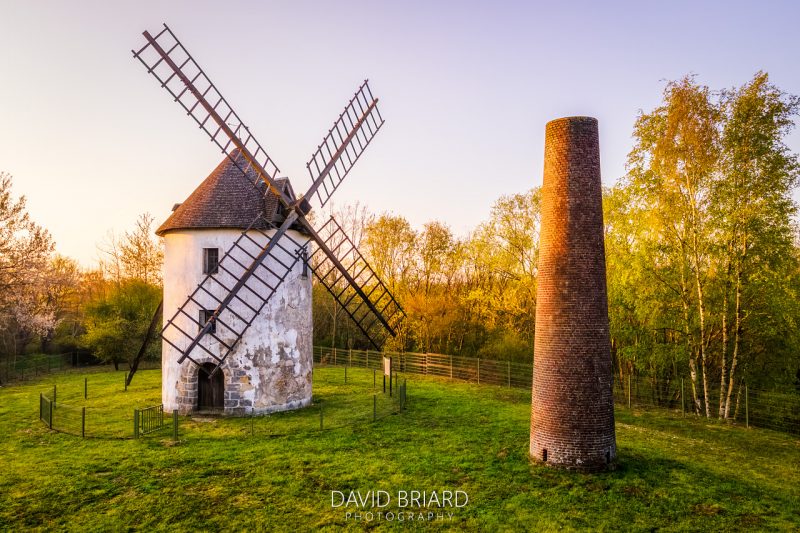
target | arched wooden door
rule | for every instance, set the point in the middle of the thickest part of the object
(210, 392)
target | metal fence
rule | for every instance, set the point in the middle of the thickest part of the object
(151, 420)
(46, 410)
(350, 397)
(353, 397)
(779, 411)
(31, 367)
(486, 371)
(87, 421)
(751, 407)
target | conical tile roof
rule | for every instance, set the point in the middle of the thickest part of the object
(226, 199)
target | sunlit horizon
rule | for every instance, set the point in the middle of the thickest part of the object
(465, 88)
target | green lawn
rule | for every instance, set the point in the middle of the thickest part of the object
(674, 473)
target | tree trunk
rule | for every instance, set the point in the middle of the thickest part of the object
(738, 396)
(701, 309)
(737, 326)
(688, 336)
(723, 362)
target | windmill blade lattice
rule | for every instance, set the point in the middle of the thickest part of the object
(343, 145)
(368, 302)
(170, 63)
(236, 299)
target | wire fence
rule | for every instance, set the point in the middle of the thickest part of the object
(342, 397)
(350, 396)
(486, 371)
(32, 367)
(362, 397)
(779, 411)
(85, 421)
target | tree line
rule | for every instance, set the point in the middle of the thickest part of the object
(702, 255)
(50, 304)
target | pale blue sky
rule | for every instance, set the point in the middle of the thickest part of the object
(465, 87)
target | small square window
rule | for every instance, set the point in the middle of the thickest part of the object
(206, 314)
(210, 260)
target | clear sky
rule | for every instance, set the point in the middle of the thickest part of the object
(465, 87)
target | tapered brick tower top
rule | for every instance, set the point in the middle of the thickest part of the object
(572, 415)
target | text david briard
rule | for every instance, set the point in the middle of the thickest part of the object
(372, 504)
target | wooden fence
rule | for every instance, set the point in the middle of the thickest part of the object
(779, 411)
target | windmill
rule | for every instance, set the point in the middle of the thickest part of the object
(268, 251)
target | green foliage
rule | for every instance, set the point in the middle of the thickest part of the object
(116, 324)
(702, 263)
(467, 296)
(507, 345)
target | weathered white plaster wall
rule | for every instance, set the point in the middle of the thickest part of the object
(271, 368)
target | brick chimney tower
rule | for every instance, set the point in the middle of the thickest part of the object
(572, 415)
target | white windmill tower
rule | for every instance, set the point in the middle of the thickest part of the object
(237, 291)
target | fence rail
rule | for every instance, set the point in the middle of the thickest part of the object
(759, 408)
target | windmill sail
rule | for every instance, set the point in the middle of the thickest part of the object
(170, 63)
(258, 262)
(367, 300)
(343, 145)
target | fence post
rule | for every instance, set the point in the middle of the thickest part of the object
(50, 421)
(746, 407)
(374, 375)
(83, 422)
(175, 424)
(508, 363)
(374, 407)
(683, 402)
(135, 423)
(85, 388)
(630, 376)
(334, 356)
(350, 357)
(54, 394)
(426, 363)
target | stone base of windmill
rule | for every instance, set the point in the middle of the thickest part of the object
(248, 384)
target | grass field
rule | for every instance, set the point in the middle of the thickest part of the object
(673, 474)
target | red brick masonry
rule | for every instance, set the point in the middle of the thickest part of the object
(572, 415)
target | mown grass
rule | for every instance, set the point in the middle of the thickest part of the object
(673, 473)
